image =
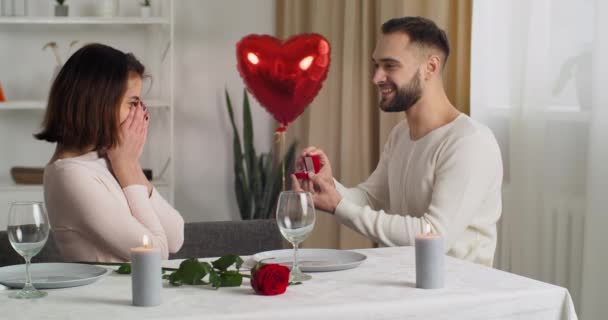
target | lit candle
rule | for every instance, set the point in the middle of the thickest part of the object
(430, 268)
(146, 272)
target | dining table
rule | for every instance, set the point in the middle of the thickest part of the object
(381, 287)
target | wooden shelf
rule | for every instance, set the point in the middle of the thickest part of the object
(85, 20)
(41, 105)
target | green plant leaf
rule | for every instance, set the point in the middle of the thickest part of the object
(241, 184)
(242, 193)
(231, 279)
(224, 262)
(255, 184)
(124, 268)
(258, 178)
(215, 279)
(192, 271)
(275, 183)
(174, 278)
(261, 161)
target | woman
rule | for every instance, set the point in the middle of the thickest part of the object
(99, 202)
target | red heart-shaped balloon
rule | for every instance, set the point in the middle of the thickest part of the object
(283, 76)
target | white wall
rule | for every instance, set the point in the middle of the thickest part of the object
(205, 63)
(206, 34)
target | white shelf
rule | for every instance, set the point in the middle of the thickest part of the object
(155, 35)
(41, 104)
(10, 186)
(85, 20)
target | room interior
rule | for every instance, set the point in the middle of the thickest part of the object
(533, 72)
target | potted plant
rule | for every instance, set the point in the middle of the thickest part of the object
(61, 9)
(146, 9)
(257, 178)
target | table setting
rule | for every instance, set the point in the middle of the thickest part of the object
(378, 283)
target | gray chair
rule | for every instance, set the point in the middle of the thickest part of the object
(214, 239)
(201, 239)
(8, 256)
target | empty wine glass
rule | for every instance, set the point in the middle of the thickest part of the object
(296, 219)
(28, 229)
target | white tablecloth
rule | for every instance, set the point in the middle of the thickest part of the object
(383, 287)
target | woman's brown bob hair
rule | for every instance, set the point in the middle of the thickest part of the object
(84, 103)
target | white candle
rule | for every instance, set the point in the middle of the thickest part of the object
(146, 273)
(430, 268)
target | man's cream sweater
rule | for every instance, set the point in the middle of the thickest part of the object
(450, 178)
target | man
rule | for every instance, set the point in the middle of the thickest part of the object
(438, 168)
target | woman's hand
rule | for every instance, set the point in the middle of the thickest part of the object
(124, 157)
(132, 137)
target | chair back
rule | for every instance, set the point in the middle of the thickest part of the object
(218, 238)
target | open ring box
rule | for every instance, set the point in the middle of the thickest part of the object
(311, 164)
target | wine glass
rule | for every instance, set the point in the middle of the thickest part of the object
(28, 229)
(296, 219)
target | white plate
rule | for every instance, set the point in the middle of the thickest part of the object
(52, 275)
(310, 260)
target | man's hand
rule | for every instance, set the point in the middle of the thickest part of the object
(324, 195)
(325, 173)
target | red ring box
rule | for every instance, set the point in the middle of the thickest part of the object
(311, 164)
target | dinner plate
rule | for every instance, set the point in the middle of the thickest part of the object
(310, 260)
(52, 275)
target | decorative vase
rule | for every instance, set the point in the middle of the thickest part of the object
(61, 11)
(109, 8)
(146, 11)
(13, 8)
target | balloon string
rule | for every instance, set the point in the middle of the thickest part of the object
(283, 157)
(280, 138)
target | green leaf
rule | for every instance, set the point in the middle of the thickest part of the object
(175, 278)
(231, 279)
(242, 193)
(257, 178)
(124, 268)
(192, 271)
(226, 261)
(215, 279)
(255, 184)
(275, 181)
(241, 183)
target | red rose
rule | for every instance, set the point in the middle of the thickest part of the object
(270, 279)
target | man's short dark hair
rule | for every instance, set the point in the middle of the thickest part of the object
(84, 103)
(422, 31)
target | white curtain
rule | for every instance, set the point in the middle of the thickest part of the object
(539, 80)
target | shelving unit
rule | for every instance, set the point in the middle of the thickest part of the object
(84, 20)
(41, 104)
(26, 72)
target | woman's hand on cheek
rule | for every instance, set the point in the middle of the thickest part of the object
(124, 157)
(132, 138)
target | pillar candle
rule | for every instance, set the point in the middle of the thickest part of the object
(430, 268)
(146, 281)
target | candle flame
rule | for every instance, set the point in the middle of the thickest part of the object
(427, 228)
(145, 241)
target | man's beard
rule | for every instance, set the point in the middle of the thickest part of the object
(405, 97)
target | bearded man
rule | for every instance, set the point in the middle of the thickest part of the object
(439, 167)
